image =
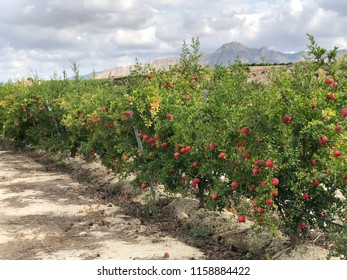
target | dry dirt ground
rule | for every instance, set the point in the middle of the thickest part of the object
(46, 214)
(76, 211)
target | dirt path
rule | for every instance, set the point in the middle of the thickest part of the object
(45, 214)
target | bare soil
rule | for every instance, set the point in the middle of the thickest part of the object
(77, 211)
(46, 214)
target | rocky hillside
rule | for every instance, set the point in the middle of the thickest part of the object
(225, 55)
(230, 52)
(125, 71)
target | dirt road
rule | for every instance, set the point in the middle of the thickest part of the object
(45, 214)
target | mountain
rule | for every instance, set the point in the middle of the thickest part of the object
(230, 52)
(225, 55)
(122, 71)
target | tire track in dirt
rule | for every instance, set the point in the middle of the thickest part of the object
(46, 214)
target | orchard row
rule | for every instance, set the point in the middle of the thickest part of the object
(276, 151)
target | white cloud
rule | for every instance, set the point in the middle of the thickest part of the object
(339, 6)
(296, 8)
(142, 37)
(44, 35)
(109, 6)
(161, 3)
(341, 43)
(252, 23)
(28, 9)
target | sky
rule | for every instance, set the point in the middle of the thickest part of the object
(42, 37)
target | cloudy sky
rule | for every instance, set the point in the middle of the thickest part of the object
(42, 36)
